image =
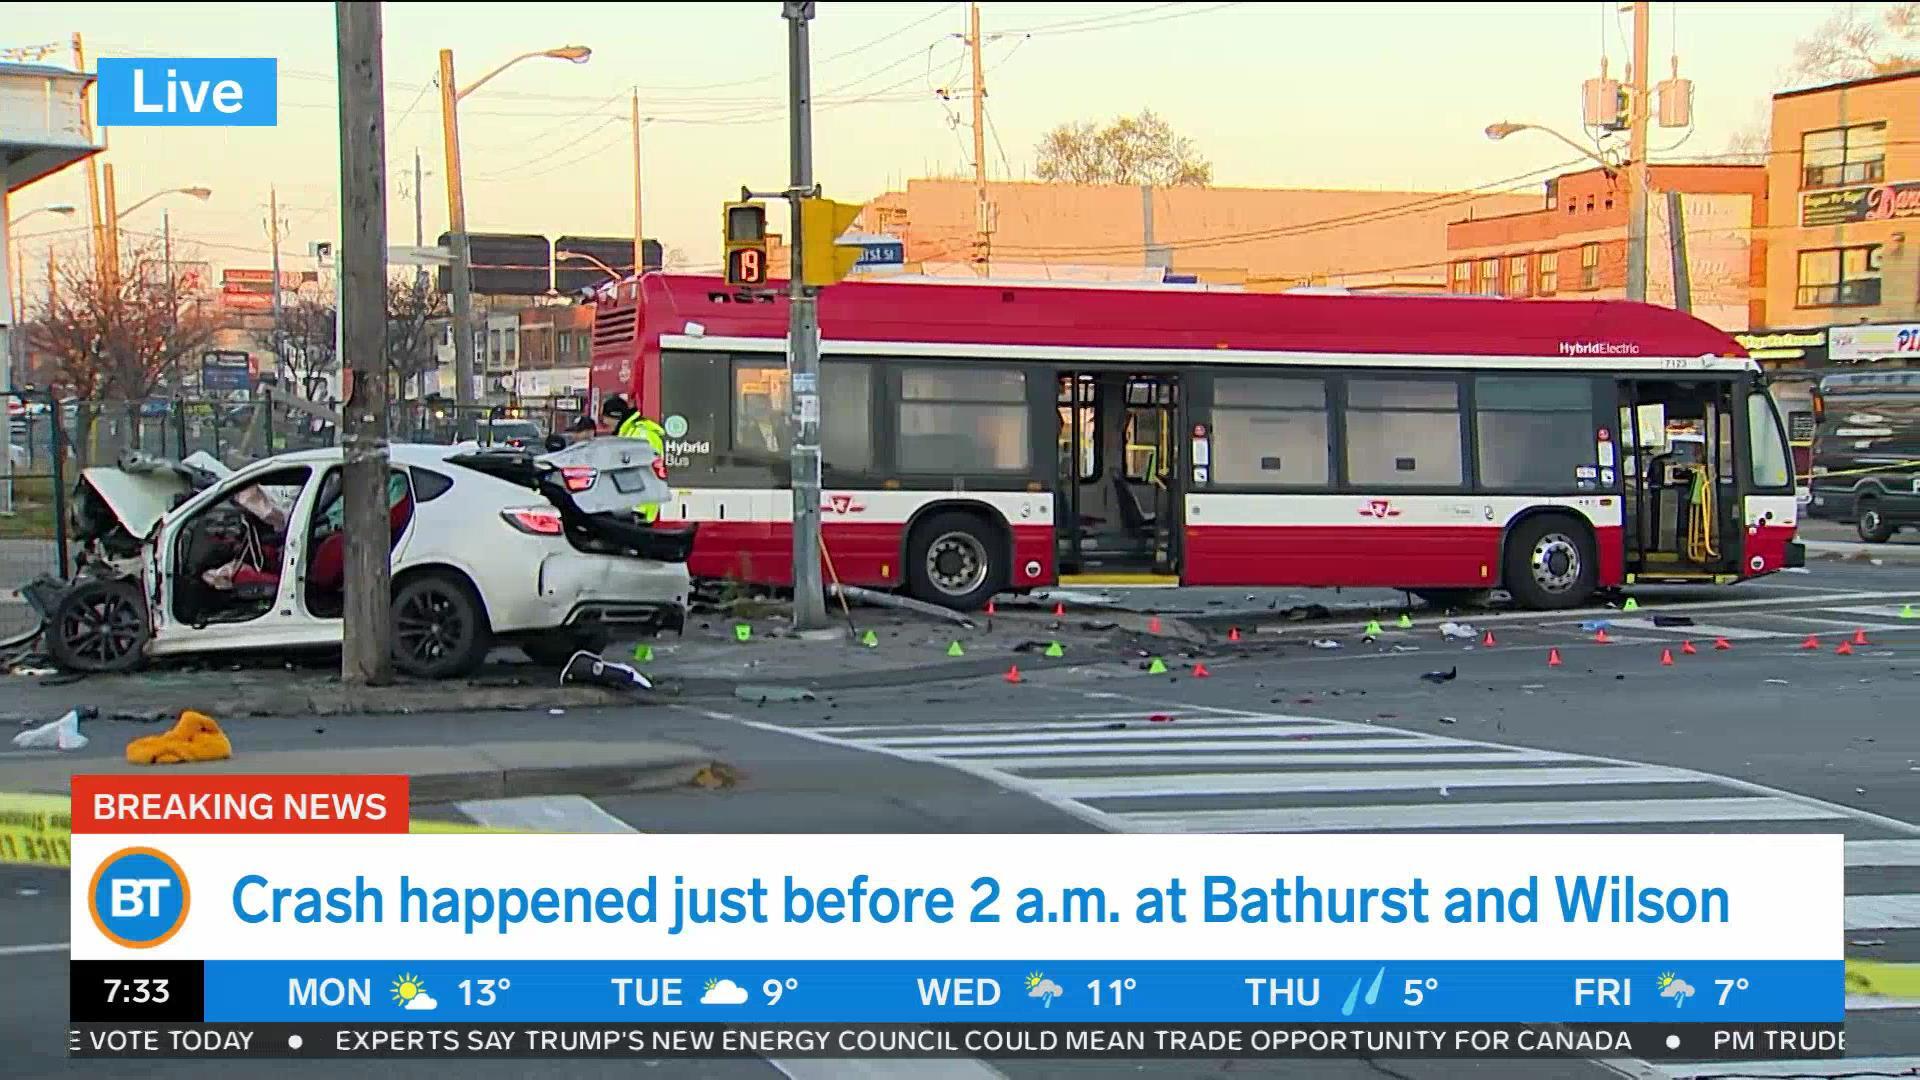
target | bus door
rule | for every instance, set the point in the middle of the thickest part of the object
(1119, 475)
(1154, 469)
(1678, 480)
(1078, 506)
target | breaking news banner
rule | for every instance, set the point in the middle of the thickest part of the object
(297, 916)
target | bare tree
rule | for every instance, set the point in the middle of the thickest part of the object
(307, 340)
(1850, 45)
(115, 333)
(1141, 149)
(413, 306)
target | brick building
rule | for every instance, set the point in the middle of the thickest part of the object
(1574, 242)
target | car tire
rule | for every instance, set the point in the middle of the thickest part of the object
(1444, 599)
(440, 627)
(1550, 563)
(556, 647)
(1871, 522)
(955, 560)
(100, 626)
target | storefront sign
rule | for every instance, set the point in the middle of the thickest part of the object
(1784, 344)
(1886, 202)
(1847, 343)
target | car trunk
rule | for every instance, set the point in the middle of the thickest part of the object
(598, 519)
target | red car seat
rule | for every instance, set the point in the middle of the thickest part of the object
(329, 567)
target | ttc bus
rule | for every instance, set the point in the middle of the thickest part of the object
(983, 437)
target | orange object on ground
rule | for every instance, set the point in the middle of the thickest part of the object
(195, 738)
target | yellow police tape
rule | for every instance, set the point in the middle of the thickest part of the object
(35, 829)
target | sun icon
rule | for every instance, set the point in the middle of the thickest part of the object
(406, 988)
(1035, 978)
(710, 984)
(1665, 980)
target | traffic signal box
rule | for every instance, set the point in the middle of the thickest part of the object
(823, 260)
(744, 237)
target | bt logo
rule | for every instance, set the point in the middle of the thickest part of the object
(195, 92)
(138, 898)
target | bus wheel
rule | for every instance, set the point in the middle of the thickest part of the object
(1871, 523)
(951, 561)
(1550, 563)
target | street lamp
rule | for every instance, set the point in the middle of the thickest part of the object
(581, 256)
(1499, 131)
(51, 208)
(451, 94)
(201, 193)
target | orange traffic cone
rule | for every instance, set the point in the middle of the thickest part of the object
(1059, 609)
(1153, 625)
(1600, 638)
(1860, 638)
(1721, 644)
(1553, 657)
(1687, 649)
(1013, 673)
(1666, 657)
(990, 610)
(1233, 634)
(1200, 672)
(1812, 642)
(1488, 641)
(1845, 649)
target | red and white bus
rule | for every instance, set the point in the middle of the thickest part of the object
(986, 437)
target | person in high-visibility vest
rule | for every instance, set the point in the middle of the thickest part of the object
(627, 423)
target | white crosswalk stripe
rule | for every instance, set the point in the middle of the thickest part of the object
(1228, 771)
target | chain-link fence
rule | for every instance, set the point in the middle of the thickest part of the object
(32, 504)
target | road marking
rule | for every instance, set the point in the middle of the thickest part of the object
(1150, 756)
(1883, 853)
(1281, 758)
(1809, 601)
(1871, 1003)
(1854, 624)
(1809, 1069)
(895, 732)
(1882, 611)
(1731, 633)
(1401, 817)
(544, 813)
(1899, 911)
(32, 950)
(1010, 738)
(1160, 784)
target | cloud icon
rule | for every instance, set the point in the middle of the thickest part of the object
(724, 992)
(1679, 989)
(1045, 988)
(421, 1002)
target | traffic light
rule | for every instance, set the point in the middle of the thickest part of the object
(823, 261)
(744, 239)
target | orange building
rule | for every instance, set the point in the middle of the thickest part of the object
(1575, 244)
(1844, 174)
(1257, 237)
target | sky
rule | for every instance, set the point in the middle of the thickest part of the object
(1378, 96)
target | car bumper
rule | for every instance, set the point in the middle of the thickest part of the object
(574, 587)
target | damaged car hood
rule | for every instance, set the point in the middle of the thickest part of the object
(141, 489)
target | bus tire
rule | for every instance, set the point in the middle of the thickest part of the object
(1550, 563)
(955, 559)
(1870, 521)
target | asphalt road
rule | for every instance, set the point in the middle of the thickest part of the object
(1763, 737)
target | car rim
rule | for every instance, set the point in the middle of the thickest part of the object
(957, 563)
(430, 626)
(103, 630)
(1870, 521)
(1556, 562)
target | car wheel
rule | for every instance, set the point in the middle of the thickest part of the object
(100, 626)
(1871, 523)
(439, 628)
(1550, 563)
(556, 647)
(954, 560)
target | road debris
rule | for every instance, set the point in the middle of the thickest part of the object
(1449, 720)
(1325, 643)
(1776, 682)
(61, 734)
(195, 738)
(586, 667)
(1457, 631)
(1672, 620)
(777, 694)
(1437, 677)
(1594, 626)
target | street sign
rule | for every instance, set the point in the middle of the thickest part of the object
(409, 255)
(875, 254)
(224, 372)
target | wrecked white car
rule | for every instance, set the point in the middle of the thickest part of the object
(489, 546)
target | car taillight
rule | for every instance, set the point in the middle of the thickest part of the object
(660, 467)
(579, 477)
(538, 520)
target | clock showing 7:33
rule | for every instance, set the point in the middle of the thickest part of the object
(141, 991)
(137, 991)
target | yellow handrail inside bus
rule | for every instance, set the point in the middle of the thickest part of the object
(1700, 539)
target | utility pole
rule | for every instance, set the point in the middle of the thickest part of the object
(1637, 172)
(95, 219)
(9, 316)
(1677, 252)
(110, 232)
(173, 301)
(280, 365)
(803, 336)
(639, 239)
(419, 211)
(367, 656)
(983, 210)
(458, 267)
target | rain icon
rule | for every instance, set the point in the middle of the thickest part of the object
(1672, 986)
(1039, 986)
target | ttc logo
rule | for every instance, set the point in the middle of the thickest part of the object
(138, 898)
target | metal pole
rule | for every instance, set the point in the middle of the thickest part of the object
(982, 212)
(639, 240)
(1637, 174)
(8, 316)
(95, 217)
(458, 268)
(803, 338)
(420, 273)
(173, 300)
(367, 657)
(1677, 251)
(280, 365)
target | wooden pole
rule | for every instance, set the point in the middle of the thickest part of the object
(367, 656)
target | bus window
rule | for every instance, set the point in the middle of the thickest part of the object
(1403, 433)
(961, 420)
(1770, 468)
(759, 410)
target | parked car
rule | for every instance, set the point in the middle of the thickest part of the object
(487, 546)
(518, 434)
(1866, 452)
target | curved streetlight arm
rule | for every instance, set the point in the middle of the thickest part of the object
(584, 257)
(1497, 132)
(198, 193)
(575, 53)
